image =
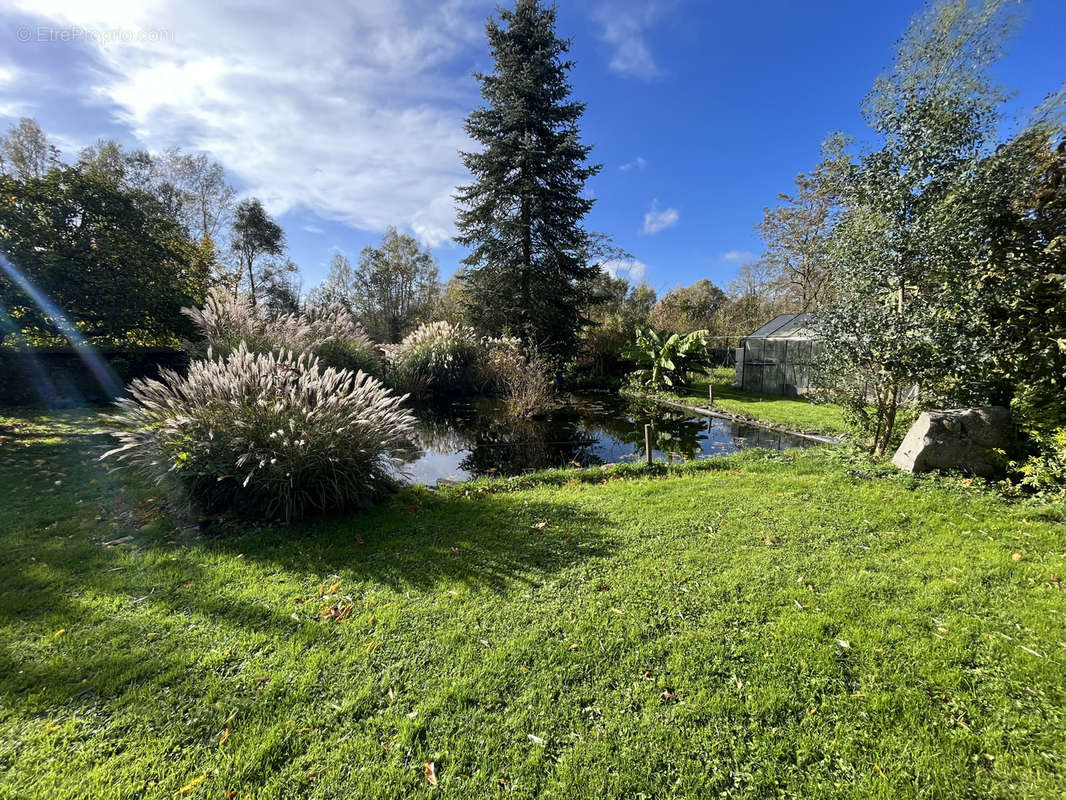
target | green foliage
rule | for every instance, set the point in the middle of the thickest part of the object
(1021, 284)
(110, 259)
(530, 261)
(1044, 472)
(688, 308)
(666, 361)
(340, 341)
(917, 222)
(438, 359)
(619, 309)
(264, 436)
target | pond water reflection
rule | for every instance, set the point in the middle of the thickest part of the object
(470, 438)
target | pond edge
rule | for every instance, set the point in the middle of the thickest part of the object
(814, 437)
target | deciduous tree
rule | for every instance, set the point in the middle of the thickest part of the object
(255, 238)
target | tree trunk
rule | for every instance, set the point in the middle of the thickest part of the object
(251, 281)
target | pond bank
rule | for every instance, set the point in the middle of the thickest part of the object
(735, 417)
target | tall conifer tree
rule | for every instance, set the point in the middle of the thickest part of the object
(531, 265)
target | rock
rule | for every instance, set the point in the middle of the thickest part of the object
(962, 439)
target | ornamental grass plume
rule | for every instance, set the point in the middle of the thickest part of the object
(265, 435)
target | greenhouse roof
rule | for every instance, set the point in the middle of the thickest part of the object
(787, 326)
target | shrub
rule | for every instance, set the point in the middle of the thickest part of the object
(525, 381)
(1044, 473)
(437, 358)
(265, 435)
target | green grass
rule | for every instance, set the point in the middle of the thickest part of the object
(760, 626)
(791, 412)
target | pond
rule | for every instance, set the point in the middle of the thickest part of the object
(472, 438)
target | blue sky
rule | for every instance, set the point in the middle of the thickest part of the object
(345, 118)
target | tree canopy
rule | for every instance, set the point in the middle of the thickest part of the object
(111, 259)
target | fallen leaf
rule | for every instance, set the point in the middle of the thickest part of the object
(844, 644)
(59, 633)
(535, 739)
(539, 525)
(192, 784)
(222, 739)
(431, 773)
(1017, 556)
(668, 696)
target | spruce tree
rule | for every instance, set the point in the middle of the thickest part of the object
(531, 268)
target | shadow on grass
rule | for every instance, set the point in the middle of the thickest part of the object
(112, 602)
(420, 541)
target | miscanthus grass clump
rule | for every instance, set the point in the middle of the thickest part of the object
(437, 358)
(226, 321)
(337, 338)
(327, 330)
(265, 435)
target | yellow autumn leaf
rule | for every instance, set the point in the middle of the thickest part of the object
(191, 785)
(59, 633)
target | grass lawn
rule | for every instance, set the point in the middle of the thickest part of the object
(792, 412)
(760, 626)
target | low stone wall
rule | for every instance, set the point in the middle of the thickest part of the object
(66, 378)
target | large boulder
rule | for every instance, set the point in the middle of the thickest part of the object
(961, 439)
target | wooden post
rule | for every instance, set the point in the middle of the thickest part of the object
(710, 394)
(647, 443)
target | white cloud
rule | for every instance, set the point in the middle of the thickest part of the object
(636, 163)
(353, 111)
(315, 229)
(623, 24)
(625, 268)
(659, 219)
(737, 256)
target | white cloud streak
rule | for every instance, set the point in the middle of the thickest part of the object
(353, 111)
(737, 256)
(623, 26)
(659, 219)
(637, 163)
(625, 268)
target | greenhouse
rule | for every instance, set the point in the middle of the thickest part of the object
(776, 359)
